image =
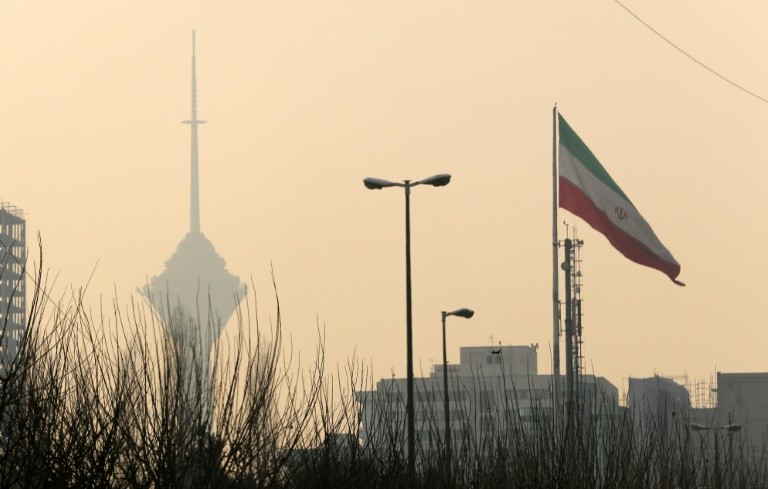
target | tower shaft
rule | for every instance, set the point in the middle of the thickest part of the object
(194, 191)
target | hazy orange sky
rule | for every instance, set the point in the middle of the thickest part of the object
(305, 99)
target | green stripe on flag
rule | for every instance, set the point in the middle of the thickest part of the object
(580, 151)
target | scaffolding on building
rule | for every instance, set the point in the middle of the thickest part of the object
(703, 393)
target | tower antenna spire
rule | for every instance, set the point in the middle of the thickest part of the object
(194, 192)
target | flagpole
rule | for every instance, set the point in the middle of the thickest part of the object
(555, 298)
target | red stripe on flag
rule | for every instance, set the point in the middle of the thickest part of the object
(573, 199)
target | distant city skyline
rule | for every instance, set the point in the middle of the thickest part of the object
(304, 101)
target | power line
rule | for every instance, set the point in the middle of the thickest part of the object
(689, 56)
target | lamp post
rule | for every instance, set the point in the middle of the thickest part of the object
(701, 429)
(376, 184)
(731, 428)
(464, 313)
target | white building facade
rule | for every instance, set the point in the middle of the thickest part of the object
(13, 260)
(493, 393)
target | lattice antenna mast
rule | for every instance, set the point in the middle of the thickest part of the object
(567, 267)
(574, 361)
(194, 191)
(577, 283)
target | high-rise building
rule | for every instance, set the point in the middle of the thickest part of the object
(195, 295)
(13, 306)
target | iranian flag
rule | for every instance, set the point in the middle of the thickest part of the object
(588, 191)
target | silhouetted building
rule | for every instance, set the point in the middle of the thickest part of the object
(742, 401)
(195, 295)
(661, 406)
(13, 306)
(490, 391)
(657, 396)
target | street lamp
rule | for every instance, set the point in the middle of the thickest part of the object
(464, 313)
(376, 184)
(701, 429)
(731, 428)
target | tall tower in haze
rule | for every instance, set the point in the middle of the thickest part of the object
(196, 295)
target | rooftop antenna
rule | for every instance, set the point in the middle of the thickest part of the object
(194, 192)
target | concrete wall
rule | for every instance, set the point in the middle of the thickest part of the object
(742, 398)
